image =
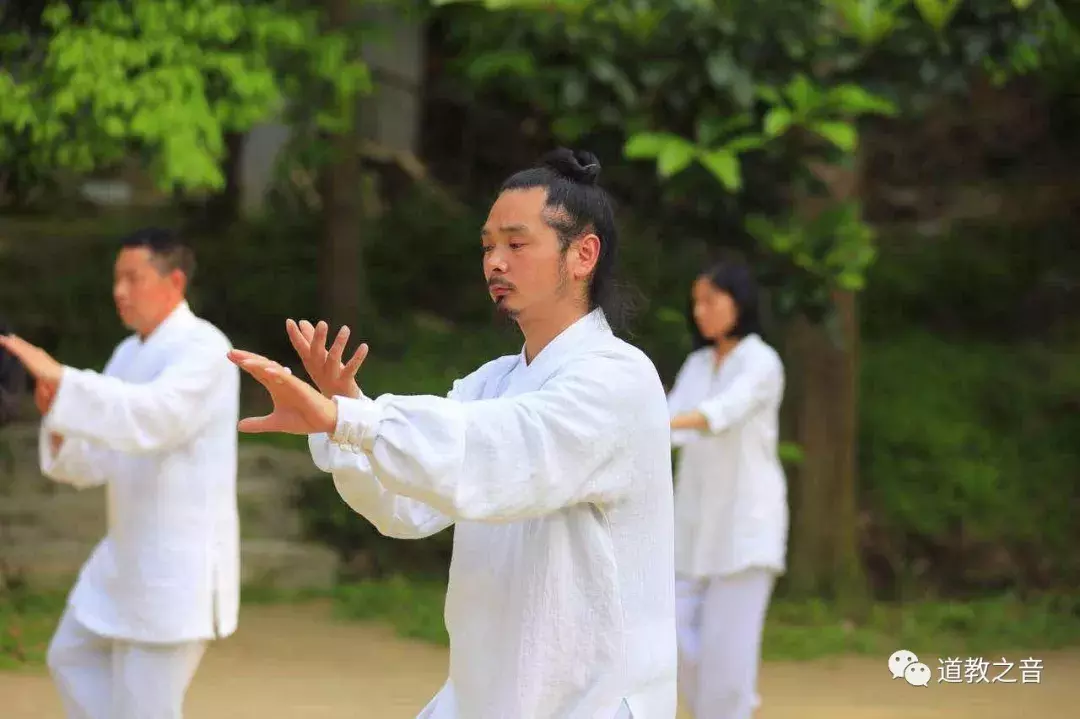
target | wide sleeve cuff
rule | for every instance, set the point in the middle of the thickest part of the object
(357, 423)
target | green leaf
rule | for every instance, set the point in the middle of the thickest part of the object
(769, 94)
(854, 100)
(937, 13)
(744, 143)
(725, 167)
(851, 280)
(711, 128)
(512, 62)
(777, 121)
(802, 94)
(841, 134)
(645, 145)
(675, 156)
(791, 453)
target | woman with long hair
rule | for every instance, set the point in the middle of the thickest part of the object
(731, 508)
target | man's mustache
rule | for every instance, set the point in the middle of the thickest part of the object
(500, 285)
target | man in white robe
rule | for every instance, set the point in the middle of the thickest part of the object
(158, 429)
(553, 465)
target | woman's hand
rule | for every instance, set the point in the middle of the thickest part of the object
(689, 420)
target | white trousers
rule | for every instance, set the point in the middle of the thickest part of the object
(720, 620)
(103, 678)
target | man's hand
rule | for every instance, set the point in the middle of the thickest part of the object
(298, 407)
(44, 394)
(325, 367)
(37, 361)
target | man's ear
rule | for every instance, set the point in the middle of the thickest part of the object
(178, 280)
(586, 254)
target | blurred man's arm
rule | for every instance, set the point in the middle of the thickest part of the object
(142, 418)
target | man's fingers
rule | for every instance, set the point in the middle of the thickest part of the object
(338, 348)
(357, 359)
(17, 346)
(300, 342)
(307, 329)
(268, 373)
(238, 356)
(318, 340)
(255, 425)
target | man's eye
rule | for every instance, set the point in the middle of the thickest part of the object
(516, 245)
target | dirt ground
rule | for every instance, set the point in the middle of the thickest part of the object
(287, 662)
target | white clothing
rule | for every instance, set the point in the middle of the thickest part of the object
(720, 623)
(731, 508)
(102, 678)
(557, 475)
(158, 428)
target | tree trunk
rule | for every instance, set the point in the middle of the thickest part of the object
(824, 547)
(825, 558)
(343, 290)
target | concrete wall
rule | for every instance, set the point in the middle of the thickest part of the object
(47, 530)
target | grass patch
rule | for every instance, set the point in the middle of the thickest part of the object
(414, 608)
(27, 621)
(813, 629)
(795, 630)
(262, 596)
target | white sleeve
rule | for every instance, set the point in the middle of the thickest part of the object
(78, 463)
(142, 418)
(506, 459)
(392, 514)
(760, 382)
(678, 402)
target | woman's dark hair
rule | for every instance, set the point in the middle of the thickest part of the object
(736, 279)
(575, 205)
(12, 381)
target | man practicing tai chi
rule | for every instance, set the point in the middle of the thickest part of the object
(554, 464)
(158, 429)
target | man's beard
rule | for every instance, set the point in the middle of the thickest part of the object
(506, 316)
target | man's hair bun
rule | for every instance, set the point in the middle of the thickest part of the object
(581, 167)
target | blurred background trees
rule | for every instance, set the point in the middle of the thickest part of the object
(900, 173)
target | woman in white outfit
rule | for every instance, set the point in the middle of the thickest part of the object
(730, 495)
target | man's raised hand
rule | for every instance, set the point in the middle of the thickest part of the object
(325, 367)
(298, 407)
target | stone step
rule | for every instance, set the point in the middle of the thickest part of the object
(288, 565)
(44, 565)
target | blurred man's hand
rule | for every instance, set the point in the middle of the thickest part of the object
(44, 394)
(37, 361)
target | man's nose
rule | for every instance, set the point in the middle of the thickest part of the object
(495, 261)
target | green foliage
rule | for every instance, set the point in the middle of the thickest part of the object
(984, 446)
(27, 620)
(1051, 47)
(794, 630)
(757, 97)
(165, 79)
(748, 75)
(414, 607)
